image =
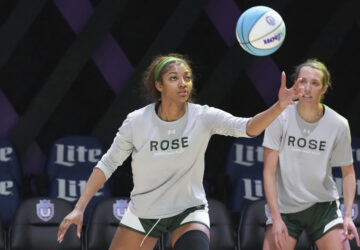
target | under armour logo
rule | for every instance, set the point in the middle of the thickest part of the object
(171, 131)
(306, 131)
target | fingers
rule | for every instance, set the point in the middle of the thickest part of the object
(351, 234)
(283, 80)
(281, 239)
(299, 90)
(64, 225)
(78, 230)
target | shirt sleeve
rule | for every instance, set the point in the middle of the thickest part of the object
(342, 152)
(223, 123)
(273, 134)
(119, 150)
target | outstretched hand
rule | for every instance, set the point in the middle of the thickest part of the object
(289, 96)
(74, 217)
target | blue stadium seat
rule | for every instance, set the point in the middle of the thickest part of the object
(10, 182)
(36, 224)
(70, 163)
(244, 168)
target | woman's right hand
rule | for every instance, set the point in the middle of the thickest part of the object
(74, 217)
(280, 233)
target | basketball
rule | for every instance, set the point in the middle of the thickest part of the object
(260, 30)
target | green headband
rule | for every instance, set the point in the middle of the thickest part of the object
(161, 65)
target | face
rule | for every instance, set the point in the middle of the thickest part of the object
(175, 84)
(312, 81)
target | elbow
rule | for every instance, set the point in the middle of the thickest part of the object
(252, 132)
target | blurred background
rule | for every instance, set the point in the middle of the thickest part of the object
(74, 67)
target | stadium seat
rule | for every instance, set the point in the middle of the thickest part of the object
(36, 225)
(70, 163)
(104, 221)
(251, 229)
(10, 182)
(222, 236)
(244, 169)
(3, 241)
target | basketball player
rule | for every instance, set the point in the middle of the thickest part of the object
(300, 148)
(167, 140)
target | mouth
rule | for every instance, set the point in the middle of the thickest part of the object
(306, 96)
(183, 93)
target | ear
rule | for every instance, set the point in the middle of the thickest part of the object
(158, 86)
(324, 89)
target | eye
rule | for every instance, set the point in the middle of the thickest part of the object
(315, 83)
(173, 78)
(188, 78)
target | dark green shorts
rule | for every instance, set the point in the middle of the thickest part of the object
(155, 227)
(317, 220)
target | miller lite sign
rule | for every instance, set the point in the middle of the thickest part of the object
(244, 168)
(10, 181)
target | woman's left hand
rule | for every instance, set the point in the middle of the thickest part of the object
(289, 96)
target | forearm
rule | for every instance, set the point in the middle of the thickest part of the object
(271, 195)
(260, 121)
(349, 188)
(94, 183)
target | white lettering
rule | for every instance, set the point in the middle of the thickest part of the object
(245, 155)
(69, 155)
(248, 188)
(45, 212)
(70, 190)
(5, 154)
(5, 187)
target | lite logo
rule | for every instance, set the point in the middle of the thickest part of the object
(253, 189)
(5, 154)
(71, 190)
(5, 187)
(248, 155)
(68, 155)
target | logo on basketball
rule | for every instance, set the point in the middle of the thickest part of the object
(270, 20)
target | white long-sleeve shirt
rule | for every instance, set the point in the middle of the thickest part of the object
(168, 157)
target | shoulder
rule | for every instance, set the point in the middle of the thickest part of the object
(142, 113)
(198, 109)
(335, 118)
(203, 109)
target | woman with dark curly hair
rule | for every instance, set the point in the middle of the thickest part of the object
(167, 140)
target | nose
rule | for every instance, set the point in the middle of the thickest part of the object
(181, 82)
(307, 86)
